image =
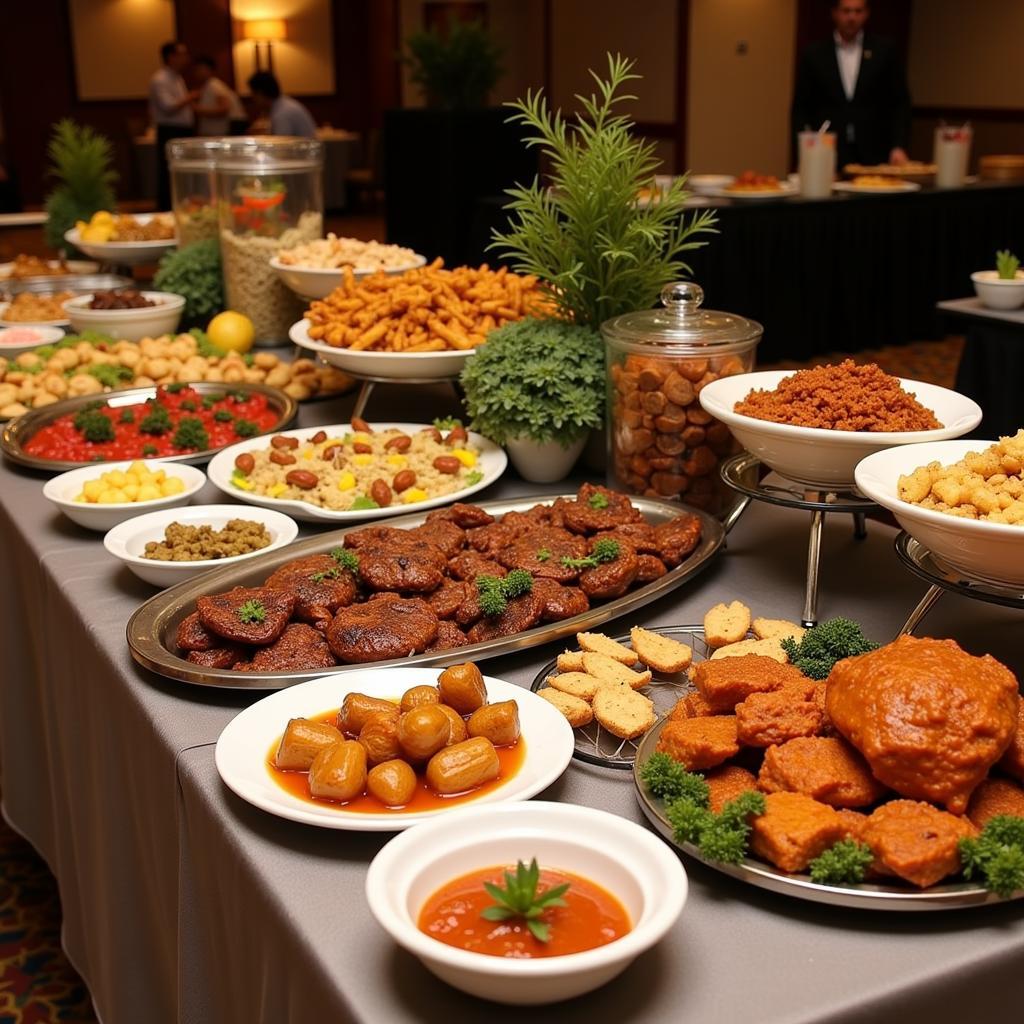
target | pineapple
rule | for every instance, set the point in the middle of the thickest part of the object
(80, 161)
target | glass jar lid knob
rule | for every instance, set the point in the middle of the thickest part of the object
(682, 298)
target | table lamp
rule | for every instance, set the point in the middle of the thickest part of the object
(268, 31)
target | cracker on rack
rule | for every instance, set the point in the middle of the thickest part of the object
(610, 672)
(576, 683)
(726, 624)
(576, 710)
(623, 712)
(661, 653)
(776, 629)
(770, 648)
(601, 644)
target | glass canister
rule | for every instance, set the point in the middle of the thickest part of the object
(270, 197)
(193, 165)
(661, 443)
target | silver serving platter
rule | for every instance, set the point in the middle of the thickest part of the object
(151, 630)
(954, 896)
(80, 284)
(18, 431)
(594, 744)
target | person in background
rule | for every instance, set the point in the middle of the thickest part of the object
(855, 80)
(170, 109)
(287, 115)
(218, 110)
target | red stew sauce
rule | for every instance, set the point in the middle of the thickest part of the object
(592, 917)
(62, 441)
(296, 783)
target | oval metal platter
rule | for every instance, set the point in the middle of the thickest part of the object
(151, 630)
(954, 896)
(18, 432)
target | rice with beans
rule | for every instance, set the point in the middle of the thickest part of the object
(346, 468)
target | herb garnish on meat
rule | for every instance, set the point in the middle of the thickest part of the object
(543, 554)
(326, 574)
(597, 500)
(346, 559)
(252, 611)
(842, 864)
(605, 550)
(997, 855)
(825, 644)
(494, 593)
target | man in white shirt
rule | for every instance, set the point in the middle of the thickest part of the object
(219, 111)
(170, 109)
(857, 82)
(287, 115)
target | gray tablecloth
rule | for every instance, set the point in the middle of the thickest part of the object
(182, 903)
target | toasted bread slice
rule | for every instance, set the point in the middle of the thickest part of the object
(602, 644)
(726, 624)
(623, 712)
(570, 661)
(579, 684)
(769, 648)
(577, 712)
(614, 673)
(776, 629)
(661, 653)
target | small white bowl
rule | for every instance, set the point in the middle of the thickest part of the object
(128, 324)
(61, 490)
(990, 552)
(821, 458)
(997, 292)
(127, 541)
(622, 857)
(319, 282)
(708, 183)
(46, 336)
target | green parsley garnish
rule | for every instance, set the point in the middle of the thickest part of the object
(252, 611)
(156, 421)
(83, 414)
(95, 426)
(223, 416)
(127, 416)
(447, 423)
(361, 501)
(494, 593)
(667, 778)
(997, 855)
(473, 477)
(173, 389)
(844, 863)
(191, 434)
(597, 500)
(520, 899)
(188, 405)
(239, 396)
(209, 401)
(346, 559)
(246, 428)
(825, 644)
(543, 554)
(604, 550)
(108, 374)
(326, 574)
(149, 449)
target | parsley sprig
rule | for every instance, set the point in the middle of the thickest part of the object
(519, 898)
(605, 550)
(252, 611)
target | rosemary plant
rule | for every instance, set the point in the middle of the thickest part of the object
(599, 251)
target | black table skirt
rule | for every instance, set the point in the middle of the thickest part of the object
(992, 373)
(846, 273)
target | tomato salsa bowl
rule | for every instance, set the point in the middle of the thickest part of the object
(623, 858)
(174, 422)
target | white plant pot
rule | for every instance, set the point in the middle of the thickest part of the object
(997, 292)
(543, 463)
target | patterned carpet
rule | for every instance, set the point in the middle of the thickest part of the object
(39, 986)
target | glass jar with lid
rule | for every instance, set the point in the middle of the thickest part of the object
(270, 197)
(661, 443)
(193, 165)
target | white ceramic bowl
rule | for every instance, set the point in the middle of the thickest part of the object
(128, 324)
(318, 282)
(11, 348)
(61, 490)
(124, 253)
(389, 365)
(997, 292)
(990, 552)
(708, 183)
(827, 458)
(624, 858)
(127, 541)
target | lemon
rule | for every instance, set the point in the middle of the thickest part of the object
(231, 332)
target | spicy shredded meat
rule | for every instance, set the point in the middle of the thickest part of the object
(841, 397)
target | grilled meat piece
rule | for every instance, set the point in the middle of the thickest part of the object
(386, 628)
(226, 656)
(193, 636)
(560, 602)
(677, 538)
(540, 553)
(522, 613)
(469, 565)
(320, 586)
(299, 647)
(247, 615)
(614, 578)
(597, 508)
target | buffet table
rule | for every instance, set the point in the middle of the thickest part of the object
(840, 274)
(183, 903)
(992, 364)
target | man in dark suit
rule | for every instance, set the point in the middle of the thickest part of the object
(855, 80)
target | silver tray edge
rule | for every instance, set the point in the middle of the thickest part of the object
(153, 619)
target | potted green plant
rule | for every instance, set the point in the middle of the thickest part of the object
(1002, 288)
(537, 387)
(599, 252)
(456, 69)
(80, 160)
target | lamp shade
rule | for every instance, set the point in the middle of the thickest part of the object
(265, 29)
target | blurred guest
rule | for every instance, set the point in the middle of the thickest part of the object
(170, 109)
(855, 80)
(287, 115)
(218, 110)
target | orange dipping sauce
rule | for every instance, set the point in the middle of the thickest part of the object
(592, 917)
(296, 783)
